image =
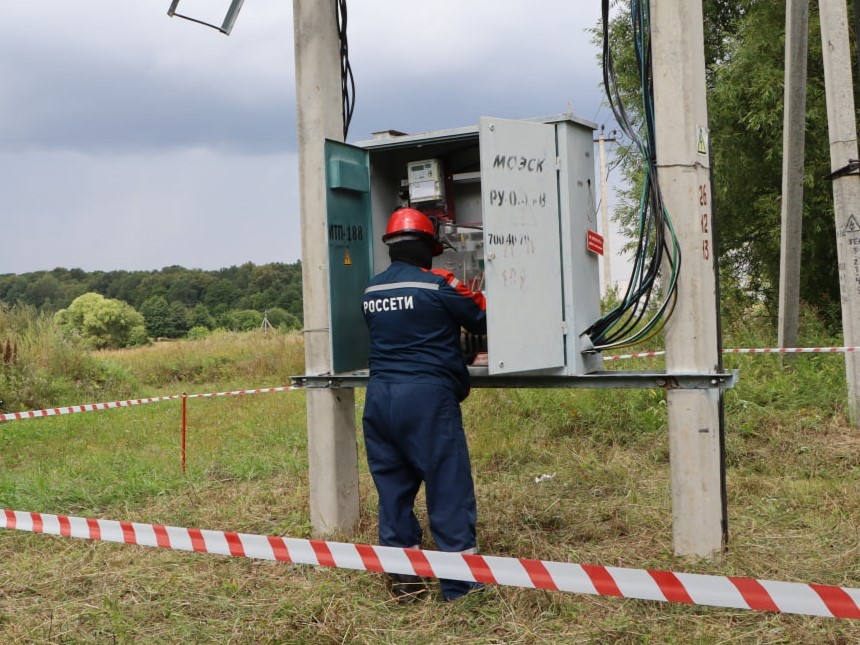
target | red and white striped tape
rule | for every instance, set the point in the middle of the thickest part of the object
(769, 350)
(91, 407)
(261, 390)
(794, 350)
(642, 355)
(643, 584)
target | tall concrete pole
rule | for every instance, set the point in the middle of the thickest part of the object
(842, 126)
(604, 212)
(793, 141)
(332, 450)
(692, 341)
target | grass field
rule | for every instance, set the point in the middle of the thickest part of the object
(793, 491)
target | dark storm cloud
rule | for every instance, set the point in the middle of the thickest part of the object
(95, 103)
(132, 140)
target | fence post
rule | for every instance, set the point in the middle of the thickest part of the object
(184, 427)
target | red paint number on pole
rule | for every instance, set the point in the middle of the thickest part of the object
(706, 240)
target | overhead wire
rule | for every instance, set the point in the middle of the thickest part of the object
(634, 320)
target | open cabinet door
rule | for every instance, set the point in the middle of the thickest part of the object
(350, 252)
(522, 241)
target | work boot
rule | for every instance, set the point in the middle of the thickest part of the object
(406, 588)
(455, 589)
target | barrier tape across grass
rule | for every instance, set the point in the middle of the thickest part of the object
(261, 390)
(768, 350)
(642, 584)
(91, 407)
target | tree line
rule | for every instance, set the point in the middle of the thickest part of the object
(171, 301)
(744, 50)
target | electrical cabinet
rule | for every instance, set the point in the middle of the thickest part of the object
(515, 205)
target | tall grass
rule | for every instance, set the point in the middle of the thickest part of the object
(46, 367)
(794, 506)
(223, 357)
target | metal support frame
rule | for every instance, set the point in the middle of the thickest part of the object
(598, 380)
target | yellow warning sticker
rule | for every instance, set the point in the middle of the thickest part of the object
(701, 140)
(347, 261)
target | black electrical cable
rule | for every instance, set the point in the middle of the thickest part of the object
(346, 77)
(657, 243)
(640, 287)
(724, 498)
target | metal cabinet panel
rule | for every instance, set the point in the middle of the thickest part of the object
(519, 184)
(350, 252)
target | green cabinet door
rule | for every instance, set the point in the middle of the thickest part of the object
(350, 252)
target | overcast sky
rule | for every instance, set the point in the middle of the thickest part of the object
(131, 140)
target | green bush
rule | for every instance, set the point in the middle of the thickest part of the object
(48, 367)
(282, 319)
(138, 337)
(102, 322)
(241, 320)
(198, 333)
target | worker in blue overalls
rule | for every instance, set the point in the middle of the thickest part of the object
(413, 429)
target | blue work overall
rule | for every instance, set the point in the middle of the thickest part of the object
(413, 429)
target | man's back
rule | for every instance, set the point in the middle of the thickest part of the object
(414, 316)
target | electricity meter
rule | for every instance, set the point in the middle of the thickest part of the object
(426, 183)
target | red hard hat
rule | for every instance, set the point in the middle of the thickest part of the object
(411, 222)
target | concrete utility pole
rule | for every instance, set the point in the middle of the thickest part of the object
(692, 341)
(793, 141)
(604, 212)
(839, 90)
(332, 450)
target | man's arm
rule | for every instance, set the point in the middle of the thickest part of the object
(468, 308)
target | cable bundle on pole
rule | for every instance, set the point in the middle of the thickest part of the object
(347, 80)
(633, 320)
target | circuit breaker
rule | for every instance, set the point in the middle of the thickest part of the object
(514, 201)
